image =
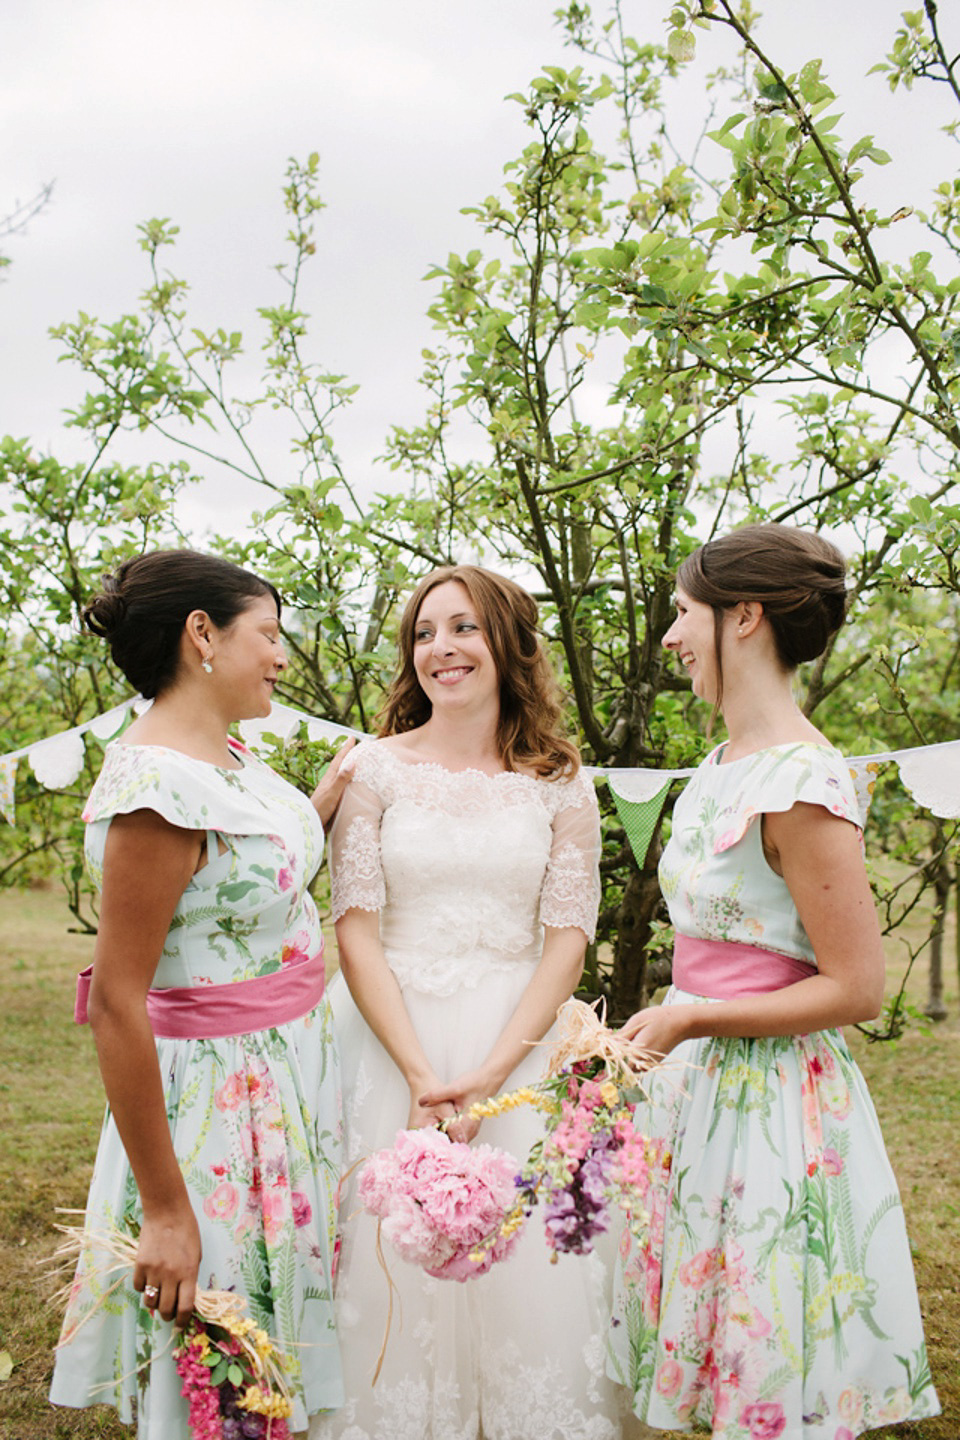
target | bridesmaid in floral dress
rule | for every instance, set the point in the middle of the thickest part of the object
(221, 1146)
(775, 1298)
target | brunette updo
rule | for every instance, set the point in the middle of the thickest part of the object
(796, 575)
(144, 604)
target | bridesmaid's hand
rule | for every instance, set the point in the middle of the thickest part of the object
(459, 1095)
(659, 1028)
(167, 1263)
(333, 782)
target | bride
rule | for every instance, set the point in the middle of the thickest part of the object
(464, 864)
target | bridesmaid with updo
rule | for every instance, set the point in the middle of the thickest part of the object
(220, 1151)
(774, 1298)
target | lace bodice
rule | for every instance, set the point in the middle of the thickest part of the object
(464, 867)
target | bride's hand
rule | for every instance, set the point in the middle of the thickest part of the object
(459, 1095)
(423, 1115)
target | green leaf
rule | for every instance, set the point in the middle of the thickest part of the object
(681, 45)
(235, 890)
(219, 1372)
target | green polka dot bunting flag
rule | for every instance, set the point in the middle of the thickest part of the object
(639, 818)
(639, 813)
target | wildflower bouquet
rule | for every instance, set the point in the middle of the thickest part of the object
(233, 1377)
(591, 1158)
(442, 1205)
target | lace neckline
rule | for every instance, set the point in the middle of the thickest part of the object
(436, 768)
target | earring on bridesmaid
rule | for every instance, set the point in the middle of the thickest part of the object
(205, 664)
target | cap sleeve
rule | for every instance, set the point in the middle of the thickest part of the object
(571, 887)
(356, 870)
(183, 791)
(784, 777)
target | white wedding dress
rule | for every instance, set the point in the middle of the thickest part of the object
(464, 869)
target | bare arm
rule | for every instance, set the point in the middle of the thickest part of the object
(374, 987)
(553, 982)
(147, 865)
(820, 860)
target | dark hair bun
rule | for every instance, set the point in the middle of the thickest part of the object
(143, 607)
(798, 576)
(106, 612)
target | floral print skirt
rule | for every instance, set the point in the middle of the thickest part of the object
(774, 1298)
(255, 1122)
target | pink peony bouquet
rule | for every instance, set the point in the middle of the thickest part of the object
(445, 1206)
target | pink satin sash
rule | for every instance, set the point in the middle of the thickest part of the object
(212, 1012)
(727, 970)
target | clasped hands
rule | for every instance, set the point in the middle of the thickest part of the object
(444, 1105)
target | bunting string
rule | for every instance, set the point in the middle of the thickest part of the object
(930, 773)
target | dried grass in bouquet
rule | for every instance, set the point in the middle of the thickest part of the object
(234, 1379)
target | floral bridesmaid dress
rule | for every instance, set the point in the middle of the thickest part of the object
(255, 1116)
(775, 1297)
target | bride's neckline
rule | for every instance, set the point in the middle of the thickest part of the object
(442, 769)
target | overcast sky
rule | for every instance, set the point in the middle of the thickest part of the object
(190, 108)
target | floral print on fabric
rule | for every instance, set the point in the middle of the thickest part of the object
(255, 1119)
(774, 1298)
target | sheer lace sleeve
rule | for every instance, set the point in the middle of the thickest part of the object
(571, 886)
(356, 873)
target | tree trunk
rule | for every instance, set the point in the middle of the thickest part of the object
(935, 1008)
(632, 981)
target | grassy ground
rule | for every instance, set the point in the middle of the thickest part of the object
(51, 1105)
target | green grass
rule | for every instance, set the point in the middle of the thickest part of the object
(51, 1106)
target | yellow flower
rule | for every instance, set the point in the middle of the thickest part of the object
(265, 1402)
(609, 1094)
(486, 1109)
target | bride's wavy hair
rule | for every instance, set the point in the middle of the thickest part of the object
(529, 733)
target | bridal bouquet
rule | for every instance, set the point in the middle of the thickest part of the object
(443, 1205)
(457, 1209)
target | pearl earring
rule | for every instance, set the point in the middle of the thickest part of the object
(206, 665)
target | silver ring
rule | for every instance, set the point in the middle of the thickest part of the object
(150, 1293)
